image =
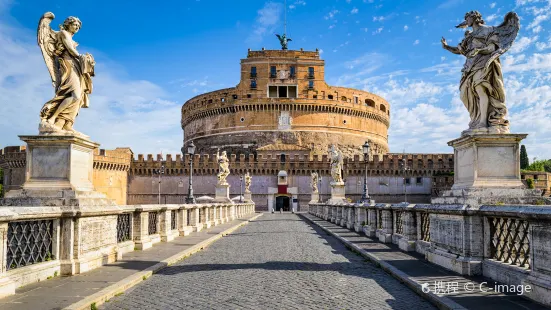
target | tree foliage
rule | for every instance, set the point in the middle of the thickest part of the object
(540, 165)
(524, 162)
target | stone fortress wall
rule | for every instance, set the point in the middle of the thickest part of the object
(110, 170)
(385, 176)
(246, 117)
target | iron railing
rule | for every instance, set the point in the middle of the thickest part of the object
(425, 226)
(509, 241)
(380, 219)
(173, 220)
(29, 242)
(399, 224)
(123, 227)
(152, 227)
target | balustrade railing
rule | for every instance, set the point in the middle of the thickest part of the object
(380, 219)
(29, 242)
(399, 226)
(173, 219)
(123, 227)
(509, 241)
(425, 226)
(152, 225)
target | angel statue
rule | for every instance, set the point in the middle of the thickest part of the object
(283, 41)
(481, 87)
(336, 165)
(223, 167)
(70, 71)
(248, 180)
(314, 181)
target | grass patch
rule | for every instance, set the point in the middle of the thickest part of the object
(119, 294)
(144, 277)
(93, 306)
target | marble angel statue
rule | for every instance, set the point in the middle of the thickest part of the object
(481, 87)
(336, 165)
(70, 71)
(223, 167)
(248, 180)
(314, 182)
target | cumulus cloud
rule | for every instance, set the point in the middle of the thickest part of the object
(266, 20)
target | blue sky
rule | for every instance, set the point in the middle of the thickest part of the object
(152, 57)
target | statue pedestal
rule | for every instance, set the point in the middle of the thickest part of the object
(222, 193)
(315, 197)
(248, 196)
(59, 171)
(487, 171)
(337, 193)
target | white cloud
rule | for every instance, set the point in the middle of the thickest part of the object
(354, 11)
(266, 20)
(406, 28)
(331, 14)
(522, 44)
(379, 30)
(416, 42)
(492, 5)
(540, 46)
(378, 18)
(535, 24)
(490, 18)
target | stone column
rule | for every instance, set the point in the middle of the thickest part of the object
(344, 215)
(385, 234)
(166, 232)
(195, 223)
(206, 217)
(371, 227)
(409, 229)
(361, 217)
(183, 229)
(333, 218)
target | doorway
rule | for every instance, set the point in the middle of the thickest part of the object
(282, 203)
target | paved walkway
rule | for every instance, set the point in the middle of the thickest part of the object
(62, 292)
(414, 268)
(278, 261)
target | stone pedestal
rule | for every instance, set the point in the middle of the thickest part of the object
(337, 193)
(222, 193)
(487, 171)
(315, 197)
(248, 197)
(59, 171)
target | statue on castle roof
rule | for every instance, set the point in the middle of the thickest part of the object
(336, 165)
(314, 183)
(71, 75)
(481, 87)
(223, 167)
(248, 180)
(283, 41)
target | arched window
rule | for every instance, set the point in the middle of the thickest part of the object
(383, 108)
(343, 98)
(370, 103)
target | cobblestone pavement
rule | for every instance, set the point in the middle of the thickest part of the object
(278, 261)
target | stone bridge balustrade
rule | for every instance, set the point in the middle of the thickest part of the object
(510, 244)
(41, 242)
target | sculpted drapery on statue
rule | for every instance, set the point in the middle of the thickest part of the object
(481, 87)
(314, 183)
(223, 167)
(248, 180)
(336, 165)
(71, 75)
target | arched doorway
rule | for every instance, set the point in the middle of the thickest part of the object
(283, 203)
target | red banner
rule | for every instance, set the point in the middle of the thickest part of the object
(282, 189)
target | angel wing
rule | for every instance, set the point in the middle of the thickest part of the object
(46, 38)
(278, 36)
(506, 33)
(289, 39)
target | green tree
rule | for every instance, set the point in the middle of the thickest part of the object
(524, 162)
(539, 165)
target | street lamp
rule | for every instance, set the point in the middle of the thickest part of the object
(191, 152)
(405, 168)
(365, 147)
(160, 172)
(241, 188)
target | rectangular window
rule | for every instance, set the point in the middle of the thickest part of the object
(293, 72)
(292, 91)
(253, 83)
(355, 100)
(310, 84)
(310, 72)
(282, 92)
(407, 181)
(273, 72)
(253, 72)
(272, 91)
(535, 176)
(419, 180)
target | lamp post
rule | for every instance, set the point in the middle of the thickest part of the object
(191, 152)
(405, 168)
(365, 147)
(241, 188)
(160, 172)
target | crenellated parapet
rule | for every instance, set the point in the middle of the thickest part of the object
(116, 160)
(297, 164)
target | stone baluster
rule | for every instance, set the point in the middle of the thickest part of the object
(142, 240)
(371, 228)
(194, 222)
(183, 229)
(409, 229)
(385, 233)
